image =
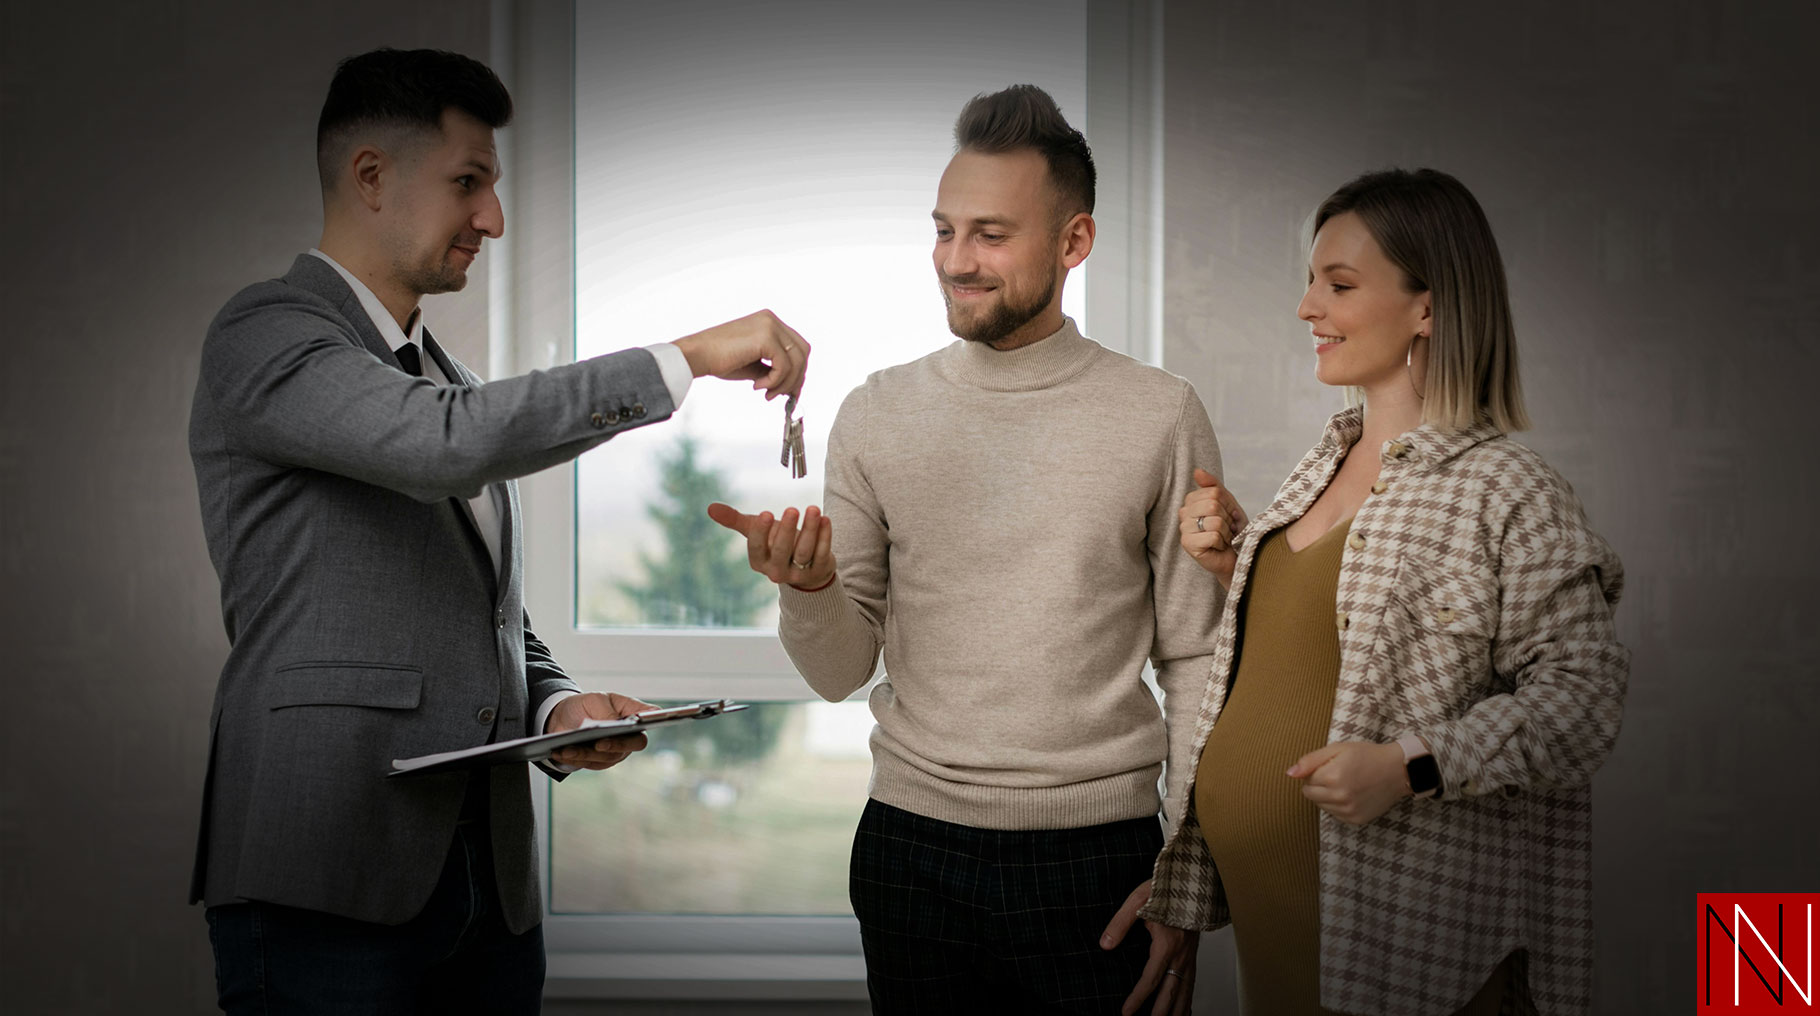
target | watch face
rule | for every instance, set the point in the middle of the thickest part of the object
(1424, 774)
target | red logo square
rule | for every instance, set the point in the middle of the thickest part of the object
(1756, 953)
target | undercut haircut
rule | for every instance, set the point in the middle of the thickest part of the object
(1432, 228)
(1026, 117)
(402, 90)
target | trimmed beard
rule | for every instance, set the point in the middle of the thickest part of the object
(1003, 319)
(430, 279)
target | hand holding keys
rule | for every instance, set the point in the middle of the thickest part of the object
(758, 348)
(793, 457)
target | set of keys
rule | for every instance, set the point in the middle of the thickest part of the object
(794, 457)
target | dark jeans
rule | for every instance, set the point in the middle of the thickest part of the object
(454, 957)
(959, 920)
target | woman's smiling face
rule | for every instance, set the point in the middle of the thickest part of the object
(1359, 308)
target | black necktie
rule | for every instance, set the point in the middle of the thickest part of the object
(409, 357)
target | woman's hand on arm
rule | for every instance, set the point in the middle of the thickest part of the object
(1211, 520)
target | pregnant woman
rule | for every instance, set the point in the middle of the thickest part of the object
(1417, 674)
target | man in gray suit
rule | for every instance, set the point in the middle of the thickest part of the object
(357, 494)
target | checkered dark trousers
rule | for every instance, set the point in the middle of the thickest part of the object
(959, 920)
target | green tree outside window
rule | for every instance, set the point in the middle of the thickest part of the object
(701, 578)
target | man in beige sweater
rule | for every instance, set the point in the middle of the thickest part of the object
(1004, 517)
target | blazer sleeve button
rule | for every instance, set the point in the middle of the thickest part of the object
(638, 410)
(485, 716)
(597, 420)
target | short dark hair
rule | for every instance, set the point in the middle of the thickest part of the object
(1024, 116)
(407, 88)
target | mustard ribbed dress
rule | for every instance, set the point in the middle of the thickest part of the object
(1261, 831)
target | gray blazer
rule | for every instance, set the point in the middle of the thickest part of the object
(365, 617)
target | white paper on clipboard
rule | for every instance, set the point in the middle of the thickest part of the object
(537, 749)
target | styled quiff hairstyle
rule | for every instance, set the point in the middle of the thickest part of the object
(1024, 116)
(396, 90)
(1432, 228)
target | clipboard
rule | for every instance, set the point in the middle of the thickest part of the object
(538, 748)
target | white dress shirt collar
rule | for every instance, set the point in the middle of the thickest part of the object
(382, 319)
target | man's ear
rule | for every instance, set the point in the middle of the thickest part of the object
(373, 170)
(1077, 239)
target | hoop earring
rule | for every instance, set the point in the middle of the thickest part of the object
(1409, 365)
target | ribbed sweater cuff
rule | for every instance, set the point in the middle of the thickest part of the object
(807, 609)
(1111, 798)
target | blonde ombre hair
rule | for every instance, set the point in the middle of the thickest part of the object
(1432, 228)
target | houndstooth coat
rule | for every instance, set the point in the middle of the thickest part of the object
(1475, 609)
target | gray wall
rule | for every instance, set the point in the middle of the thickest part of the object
(154, 158)
(1649, 169)
(1647, 166)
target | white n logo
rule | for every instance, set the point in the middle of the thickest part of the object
(1738, 954)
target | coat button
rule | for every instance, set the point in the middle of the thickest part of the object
(1340, 620)
(1379, 487)
(1396, 450)
(485, 716)
(638, 410)
(499, 619)
(597, 420)
(1355, 541)
(1445, 615)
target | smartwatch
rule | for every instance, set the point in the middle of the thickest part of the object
(1419, 767)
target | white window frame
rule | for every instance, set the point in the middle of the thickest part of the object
(531, 290)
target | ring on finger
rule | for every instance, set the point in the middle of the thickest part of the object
(1200, 523)
(1172, 973)
(800, 565)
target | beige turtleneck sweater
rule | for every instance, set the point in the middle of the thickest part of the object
(1005, 530)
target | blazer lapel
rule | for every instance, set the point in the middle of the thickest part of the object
(311, 273)
(502, 503)
(451, 368)
(506, 496)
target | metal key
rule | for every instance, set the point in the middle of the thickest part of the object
(799, 466)
(793, 456)
(785, 457)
